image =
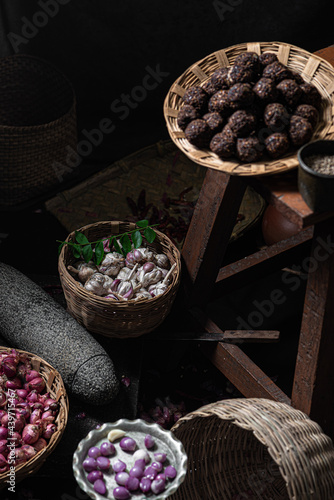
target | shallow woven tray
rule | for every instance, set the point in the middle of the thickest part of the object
(38, 128)
(312, 68)
(115, 318)
(56, 388)
(257, 449)
(162, 171)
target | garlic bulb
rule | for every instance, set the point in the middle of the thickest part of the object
(164, 272)
(146, 268)
(106, 244)
(126, 288)
(111, 264)
(107, 283)
(83, 270)
(161, 260)
(112, 270)
(160, 287)
(124, 273)
(95, 284)
(147, 254)
(150, 278)
(157, 289)
(142, 294)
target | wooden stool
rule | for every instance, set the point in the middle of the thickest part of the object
(214, 217)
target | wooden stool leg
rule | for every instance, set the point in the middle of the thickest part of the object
(205, 245)
(210, 229)
(313, 389)
(244, 374)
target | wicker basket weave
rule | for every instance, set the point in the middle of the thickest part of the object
(38, 129)
(106, 316)
(254, 449)
(56, 388)
(312, 68)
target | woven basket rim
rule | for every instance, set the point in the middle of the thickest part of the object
(35, 129)
(37, 461)
(275, 425)
(46, 125)
(232, 165)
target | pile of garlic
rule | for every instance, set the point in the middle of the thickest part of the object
(141, 274)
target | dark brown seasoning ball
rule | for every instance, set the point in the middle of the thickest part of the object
(215, 122)
(198, 133)
(220, 103)
(300, 130)
(297, 77)
(249, 60)
(276, 71)
(277, 144)
(310, 113)
(289, 91)
(224, 143)
(242, 123)
(196, 97)
(186, 114)
(276, 116)
(265, 91)
(219, 78)
(249, 149)
(310, 95)
(240, 74)
(241, 95)
(209, 87)
(267, 58)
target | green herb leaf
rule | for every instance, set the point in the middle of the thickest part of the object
(81, 238)
(149, 234)
(126, 243)
(137, 239)
(87, 252)
(99, 252)
(60, 247)
(142, 223)
(116, 246)
(76, 249)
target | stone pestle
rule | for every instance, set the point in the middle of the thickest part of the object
(32, 321)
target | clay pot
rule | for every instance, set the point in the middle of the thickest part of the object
(275, 227)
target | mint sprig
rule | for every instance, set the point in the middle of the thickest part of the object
(122, 243)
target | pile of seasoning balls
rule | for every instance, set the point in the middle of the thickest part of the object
(256, 107)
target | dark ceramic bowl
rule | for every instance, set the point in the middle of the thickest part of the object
(317, 189)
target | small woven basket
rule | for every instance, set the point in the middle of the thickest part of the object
(254, 449)
(313, 69)
(38, 129)
(109, 317)
(56, 388)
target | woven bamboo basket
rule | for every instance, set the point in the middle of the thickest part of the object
(312, 68)
(254, 449)
(56, 388)
(109, 317)
(38, 129)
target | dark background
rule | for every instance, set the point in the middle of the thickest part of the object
(105, 48)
